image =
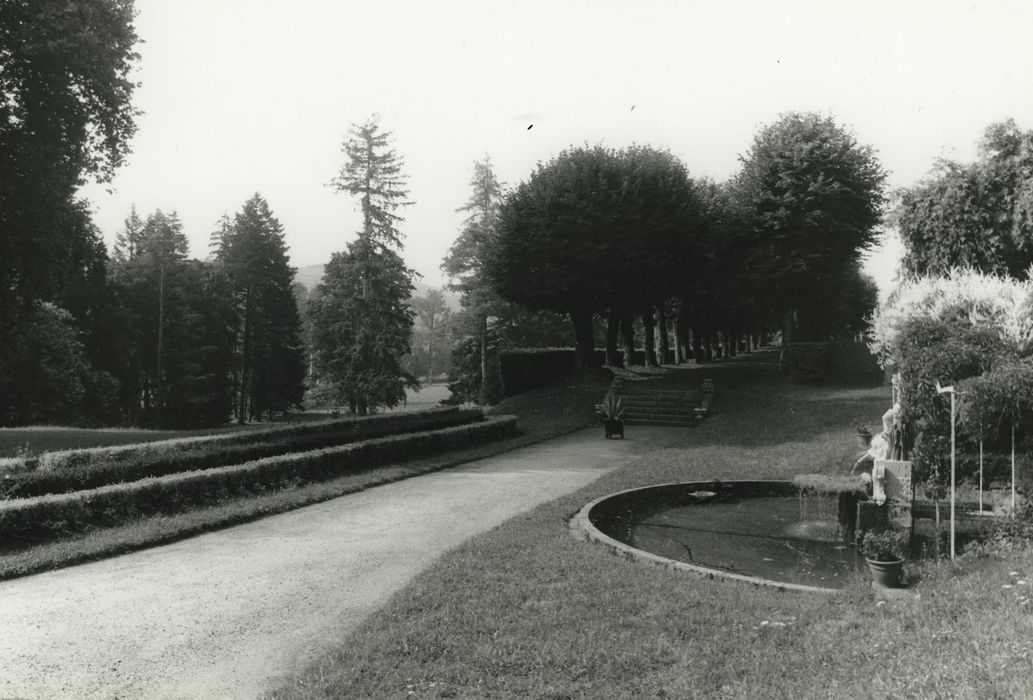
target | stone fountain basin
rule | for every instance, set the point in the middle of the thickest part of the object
(748, 531)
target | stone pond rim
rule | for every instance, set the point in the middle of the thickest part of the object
(582, 527)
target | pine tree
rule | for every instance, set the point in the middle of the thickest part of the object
(362, 324)
(129, 240)
(270, 355)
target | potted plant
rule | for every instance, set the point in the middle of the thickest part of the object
(885, 553)
(611, 413)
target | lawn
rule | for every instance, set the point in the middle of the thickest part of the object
(527, 611)
(543, 413)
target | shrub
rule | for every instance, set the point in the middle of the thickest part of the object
(73, 470)
(888, 545)
(27, 521)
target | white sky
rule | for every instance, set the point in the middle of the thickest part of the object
(242, 96)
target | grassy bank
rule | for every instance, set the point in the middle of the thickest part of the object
(542, 414)
(526, 611)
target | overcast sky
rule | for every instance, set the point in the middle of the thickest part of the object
(244, 96)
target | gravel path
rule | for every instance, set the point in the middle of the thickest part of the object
(223, 615)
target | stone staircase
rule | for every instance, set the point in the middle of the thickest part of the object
(671, 407)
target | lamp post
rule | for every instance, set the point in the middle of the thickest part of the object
(950, 390)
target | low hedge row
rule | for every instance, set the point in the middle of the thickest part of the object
(87, 469)
(523, 369)
(25, 522)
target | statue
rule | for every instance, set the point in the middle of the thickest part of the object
(880, 446)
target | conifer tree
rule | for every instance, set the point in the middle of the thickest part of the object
(465, 266)
(362, 324)
(269, 352)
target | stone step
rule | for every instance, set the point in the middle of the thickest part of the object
(672, 422)
(674, 405)
(659, 414)
(655, 410)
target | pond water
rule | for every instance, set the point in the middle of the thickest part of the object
(779, 537)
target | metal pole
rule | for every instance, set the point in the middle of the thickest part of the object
(1013, 468)
(980, 477)
(952, 473)
(950, 390)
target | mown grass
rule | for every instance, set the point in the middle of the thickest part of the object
(542, 414)
(527, 611)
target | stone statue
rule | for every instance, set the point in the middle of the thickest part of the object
(880, 446)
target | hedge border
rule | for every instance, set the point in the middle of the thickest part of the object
(35, 520)
(143, 460)
(63, 458)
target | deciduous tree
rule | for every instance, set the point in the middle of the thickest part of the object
(813, 197)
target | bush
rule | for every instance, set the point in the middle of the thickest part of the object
(73, 470)
(24, 522)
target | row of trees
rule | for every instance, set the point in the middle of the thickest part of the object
(627, 236)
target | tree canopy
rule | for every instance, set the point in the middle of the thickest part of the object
(978, 215)
(813, 197)
(594, 230)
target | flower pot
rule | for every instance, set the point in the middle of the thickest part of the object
(864, 439)
(613, 427)
(886, 573)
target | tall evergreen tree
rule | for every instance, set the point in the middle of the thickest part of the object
(465, 265)
(180, 319)
(362, 327)
(362, 324)
(270, 354)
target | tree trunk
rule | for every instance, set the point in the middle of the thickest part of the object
(732, 343)
(430, 349)
(679, 355)
(584, 338)
(245, 357)
(612, 336)
(484, 360)
(628, 337)
(684, 337)
(661, 327)
(648, 325)
(697, 346)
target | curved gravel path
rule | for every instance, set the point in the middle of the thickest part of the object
(223, 615)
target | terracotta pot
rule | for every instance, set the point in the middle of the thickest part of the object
(886, 573)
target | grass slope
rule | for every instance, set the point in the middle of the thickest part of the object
(526, 611)
(544, 413)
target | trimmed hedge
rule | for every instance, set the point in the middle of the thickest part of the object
(25, 522)
(523, 369)
(76, 470)
(814, 363)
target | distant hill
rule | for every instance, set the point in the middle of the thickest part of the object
(310, 275)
